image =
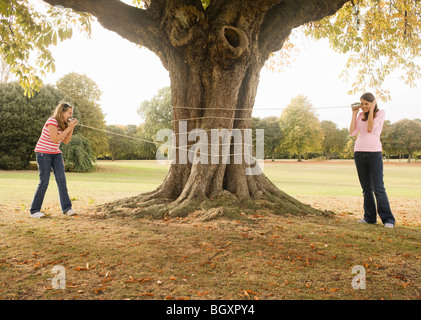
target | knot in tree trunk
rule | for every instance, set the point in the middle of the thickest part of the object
(182, 31)
(231, 44)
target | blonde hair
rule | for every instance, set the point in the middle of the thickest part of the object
(58, 114)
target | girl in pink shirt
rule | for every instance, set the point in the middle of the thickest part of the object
(368, 124)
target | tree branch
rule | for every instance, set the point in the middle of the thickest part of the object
(131, 23)
(289, 14)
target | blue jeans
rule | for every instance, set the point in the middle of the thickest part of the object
(46, 162)
(370, 172)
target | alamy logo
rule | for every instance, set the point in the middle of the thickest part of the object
(358, 282)
(214, 152)
(59, 280)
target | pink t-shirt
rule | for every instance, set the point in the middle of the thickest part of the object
(45, 144)
(369, 141)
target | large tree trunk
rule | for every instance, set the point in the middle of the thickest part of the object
(214, 58)
(212, 89)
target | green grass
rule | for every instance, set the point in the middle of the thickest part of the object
(112, 180)
(340, 178)
(115, 179)
(261, 256)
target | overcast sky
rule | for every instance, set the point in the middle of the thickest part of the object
(128, 75)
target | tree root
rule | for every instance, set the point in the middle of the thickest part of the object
(222, 204)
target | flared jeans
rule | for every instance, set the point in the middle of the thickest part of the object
(46, 162)
(370, 173)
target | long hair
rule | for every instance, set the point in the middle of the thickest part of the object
(370, 98)
(58, 114)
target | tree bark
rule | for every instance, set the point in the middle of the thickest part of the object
(214, 58)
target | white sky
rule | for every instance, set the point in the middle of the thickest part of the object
(128, 75)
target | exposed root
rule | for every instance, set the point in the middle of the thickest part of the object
(221, 204)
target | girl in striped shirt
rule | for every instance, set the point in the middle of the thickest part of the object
(59, 128)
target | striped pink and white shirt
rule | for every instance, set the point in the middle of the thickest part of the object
(45, 144)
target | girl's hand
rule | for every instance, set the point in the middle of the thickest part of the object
(355, 107)
(73, 122)
(373, 105)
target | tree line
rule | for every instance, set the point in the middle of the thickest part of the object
(296, 134)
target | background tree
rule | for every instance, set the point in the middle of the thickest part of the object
(408, 133)
(21, 122)
(301, 130)
(214, 51)
(119, 145)
(348, 152)
(273, 134)
(85, 94)
(146, 149)
(417, 154)
(131, 144)
(334, 139)
(157, 113)
(389, 139)
(78, 155)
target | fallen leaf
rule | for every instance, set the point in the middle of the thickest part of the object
(202, 293)
(251, 292)
(98, 290)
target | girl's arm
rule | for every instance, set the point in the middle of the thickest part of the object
(66, 134)
(68, 137)
(370, 120)
(353, 126)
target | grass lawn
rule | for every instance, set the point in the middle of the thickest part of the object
(260, 256)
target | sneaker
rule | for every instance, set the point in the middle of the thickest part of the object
(365, 221)
(38, 215)
(71, 212)
(389, 225)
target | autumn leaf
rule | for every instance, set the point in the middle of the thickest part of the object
(202, 293)
(80, 268)
(37, 265)
(99, 290)
(251, 292)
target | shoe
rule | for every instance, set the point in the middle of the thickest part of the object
(38, 215)
(71, 212)
(389, 225)
(365, 221)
